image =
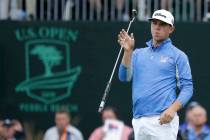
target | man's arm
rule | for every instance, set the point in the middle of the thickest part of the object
(186, 89)
(126, 60)
(184, 79)
(127, 43)
(125, 70)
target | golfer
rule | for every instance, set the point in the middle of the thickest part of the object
(156, 71)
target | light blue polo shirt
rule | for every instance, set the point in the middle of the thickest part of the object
(155, 74)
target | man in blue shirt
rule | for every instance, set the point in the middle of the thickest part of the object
(156, 71)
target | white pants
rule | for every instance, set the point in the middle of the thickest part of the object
(149, 128)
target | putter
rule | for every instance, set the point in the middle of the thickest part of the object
(108, 86)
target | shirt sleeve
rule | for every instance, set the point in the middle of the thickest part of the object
(96, 135)
(125, 73)
(46, 136)
(184, 79)
(80, 136)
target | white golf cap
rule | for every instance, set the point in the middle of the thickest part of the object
(164, 16)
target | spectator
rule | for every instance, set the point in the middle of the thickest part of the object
(4, 9)
(68, 10)
(95, 8)
(96, 4)
(167, 5)
(195, 127)
(11, 130)
(63, 129)
(16, 12)
(142, 13)
(31, 8)
(75, 9)
(111, 121)
(2, 131)
(189, 116)
(9, 9)
(121, 14)
(207, 12)
(182, 134)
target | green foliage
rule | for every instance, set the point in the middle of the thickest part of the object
(49, 56)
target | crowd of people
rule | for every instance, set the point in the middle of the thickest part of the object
(96, 9)
(195, 127)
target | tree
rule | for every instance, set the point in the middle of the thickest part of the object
(49, 55)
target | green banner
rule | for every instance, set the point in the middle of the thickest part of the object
(48, 65)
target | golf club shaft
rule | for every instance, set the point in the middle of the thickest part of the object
(108, 86)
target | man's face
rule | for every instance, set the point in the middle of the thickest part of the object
(62, 120)
(199, 116)
(10, 132)
(2, 129)
(189, 117)
(108, 115)
(160, 30)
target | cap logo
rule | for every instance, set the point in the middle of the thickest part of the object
(159, 14)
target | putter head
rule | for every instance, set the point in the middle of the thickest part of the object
(134, 14)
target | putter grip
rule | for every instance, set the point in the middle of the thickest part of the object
(101, 107)
(106, 92)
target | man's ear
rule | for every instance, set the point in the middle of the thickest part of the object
(172, 28)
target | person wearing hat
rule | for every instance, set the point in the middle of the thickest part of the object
(156, 71)
(11, 130)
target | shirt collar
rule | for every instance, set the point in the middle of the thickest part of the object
(205, 129)
(166, 41)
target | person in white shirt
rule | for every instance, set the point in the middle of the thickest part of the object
(63, 129)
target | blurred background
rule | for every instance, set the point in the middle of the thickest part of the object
(57, 54)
